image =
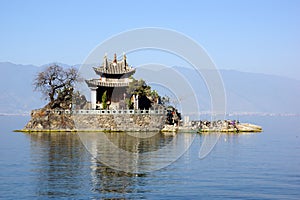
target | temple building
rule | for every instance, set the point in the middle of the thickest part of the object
(112, 83)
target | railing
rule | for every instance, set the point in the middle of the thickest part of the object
(116, 112)
(109, 112)
(112, 80)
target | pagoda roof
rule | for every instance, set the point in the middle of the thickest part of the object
(114, 67)
(118, 69)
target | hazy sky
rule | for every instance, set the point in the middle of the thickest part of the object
(256, 36)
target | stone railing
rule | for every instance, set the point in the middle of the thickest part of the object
(125, 112)
(109, 112)
(112, 80)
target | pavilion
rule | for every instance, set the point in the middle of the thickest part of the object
(114, 79)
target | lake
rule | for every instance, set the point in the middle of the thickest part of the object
(241, 166)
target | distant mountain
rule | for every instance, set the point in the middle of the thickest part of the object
(261, 92)
(16, 93)
(16, 89)
(252, 92)
(246, 92)
(249, 92)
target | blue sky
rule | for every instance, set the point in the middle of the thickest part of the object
(255, 36)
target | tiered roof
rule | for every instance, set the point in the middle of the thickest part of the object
(114, 73)
(115, 66)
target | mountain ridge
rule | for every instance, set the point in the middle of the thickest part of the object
(245, 91)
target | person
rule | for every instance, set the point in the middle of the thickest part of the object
(98, 105)
(108, 104)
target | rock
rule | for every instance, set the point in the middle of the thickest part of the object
(43, 119)
(224, 126)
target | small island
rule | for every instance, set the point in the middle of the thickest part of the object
(118, 102)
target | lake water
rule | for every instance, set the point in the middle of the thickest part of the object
(246, 166)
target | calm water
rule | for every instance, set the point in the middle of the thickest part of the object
(252, 166)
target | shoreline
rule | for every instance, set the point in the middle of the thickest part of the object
(155, 120)
(241, 128)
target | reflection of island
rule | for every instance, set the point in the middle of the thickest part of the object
(63, 167)
(132, 152)
(59, 160)
(110, 182)
(139, 142)
(127, 152)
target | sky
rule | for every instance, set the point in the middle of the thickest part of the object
(245, 35)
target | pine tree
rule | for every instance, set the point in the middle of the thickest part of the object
(104, 99)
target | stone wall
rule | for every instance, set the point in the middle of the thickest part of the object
(119, 122)
(42, 120)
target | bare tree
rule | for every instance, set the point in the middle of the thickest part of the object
(56, 84)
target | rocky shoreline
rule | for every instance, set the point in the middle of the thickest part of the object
(45, 120)
(225, 126)
(49, 120)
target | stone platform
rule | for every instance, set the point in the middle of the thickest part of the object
(95, 120)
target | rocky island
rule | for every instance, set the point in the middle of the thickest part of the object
(118, 102)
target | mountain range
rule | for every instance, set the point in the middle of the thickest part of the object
(245, 92)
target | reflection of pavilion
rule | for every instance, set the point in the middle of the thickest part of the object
(130, 153)
(114, 79)
(125, 151)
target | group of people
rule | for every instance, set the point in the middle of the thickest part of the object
(173, 116)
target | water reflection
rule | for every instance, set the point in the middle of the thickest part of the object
(63, 168)
(112, 183)
(256, 166)
(134, 153)
(58, 160)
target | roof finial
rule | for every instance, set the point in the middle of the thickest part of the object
(115, 58)
(124, 56)
(124, 61)
(105, 61)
